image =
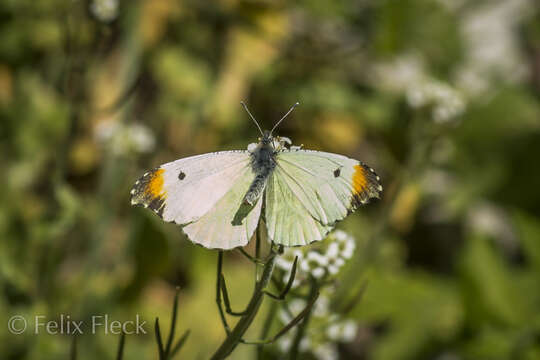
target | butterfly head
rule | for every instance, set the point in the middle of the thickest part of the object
(267, 138)
(272, 143)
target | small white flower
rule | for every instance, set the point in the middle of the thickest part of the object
(318, 272)
(333, 332)
(340, 235)
(305, 344)
(123, 138)
(350, 328)
(417, 97)
(344, 331)
(312, 261)
(332, 250)
(334, 264)
(141, 138)
(335, 260)
(326, 351)
(345, 243)
(284, 343)
(396, 76)
(322, 306)
(105, 10)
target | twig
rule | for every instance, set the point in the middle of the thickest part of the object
(266, 327)
(121, 344)
(159, 341)
(173, 323)
(347, 308)
(304, 314)
(290, 282)
(235, 336)
(73, 349)
(300, 331)
(169, 351)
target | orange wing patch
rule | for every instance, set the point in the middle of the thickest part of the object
(359, 180)
(365, 185)
(154, 189)
(149, 191)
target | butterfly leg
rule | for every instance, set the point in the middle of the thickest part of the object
(287, 287)
(253, 259)
(227, 301)
(287, 327)
(221, 291)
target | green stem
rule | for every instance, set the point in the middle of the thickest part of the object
(235, 336)
(266, 327)
(302, 327)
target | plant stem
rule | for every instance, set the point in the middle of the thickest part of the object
(266, 327)
(235, 336)
(301, 329)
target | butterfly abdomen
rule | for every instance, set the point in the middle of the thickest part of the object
(262, 163)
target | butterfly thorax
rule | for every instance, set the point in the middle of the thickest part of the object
(262, 164)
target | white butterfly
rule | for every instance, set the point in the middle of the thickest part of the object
(218, 197)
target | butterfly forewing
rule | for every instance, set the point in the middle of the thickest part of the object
(197, 192)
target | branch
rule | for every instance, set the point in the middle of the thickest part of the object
(290, 282)
(303, 314)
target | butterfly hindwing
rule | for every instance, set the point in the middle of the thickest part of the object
(287, 220)
(200, 193)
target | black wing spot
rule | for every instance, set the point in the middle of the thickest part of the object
(337, 172)
(182, 175)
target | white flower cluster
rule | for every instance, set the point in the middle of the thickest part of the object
(492, 220)
(406, 75)
(125, 138)
(104, 10)
(321, 261)
(447, 102)
(492, 49)
(451, 5)
(399, 74)
(325, 330)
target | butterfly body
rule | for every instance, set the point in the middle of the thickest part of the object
(262, 164)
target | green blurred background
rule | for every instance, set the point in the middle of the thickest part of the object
(441, 97)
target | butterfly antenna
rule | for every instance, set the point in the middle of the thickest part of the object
(284, 116)
(251, 116)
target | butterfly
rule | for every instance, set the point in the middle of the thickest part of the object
(218, 198)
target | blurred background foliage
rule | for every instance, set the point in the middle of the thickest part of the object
(441, 97)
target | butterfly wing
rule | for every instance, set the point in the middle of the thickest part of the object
(317, 189)
(204, 194)
(287, 220)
